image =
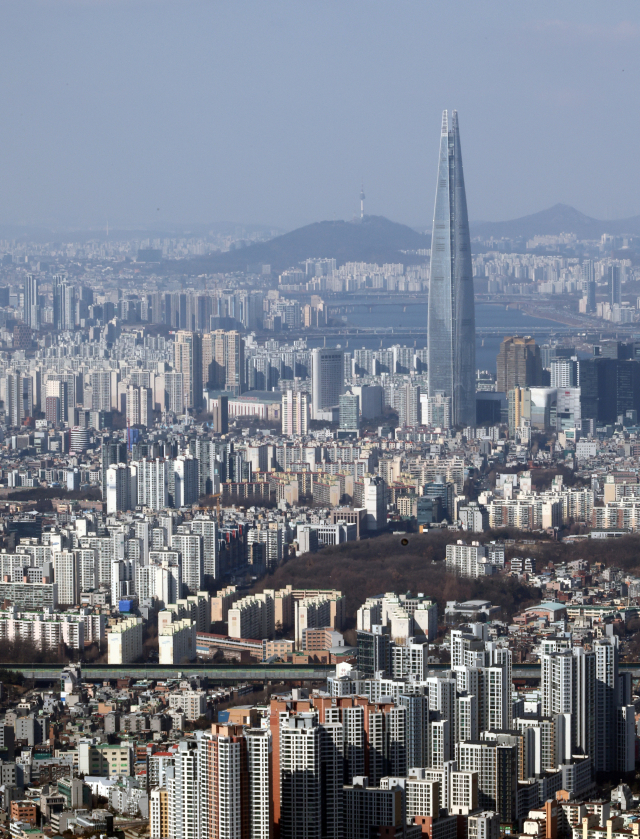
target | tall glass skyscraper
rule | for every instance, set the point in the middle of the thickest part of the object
(452, 325)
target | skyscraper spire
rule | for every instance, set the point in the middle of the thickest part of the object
(451, 323)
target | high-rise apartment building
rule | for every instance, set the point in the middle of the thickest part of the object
(101, 386)
(112, 451)
(186, 481)
(175, 392)
(153, 482)
(19, 404)
(519, 364)
(67, 576)
(452, 331)
(187, 359)
(190, 547)
(295, 412)
(327, 379)
(121, 488)
(223, 361)
(300, 781)
(139, 406)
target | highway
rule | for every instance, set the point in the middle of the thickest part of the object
(235, 673)
(223, 673)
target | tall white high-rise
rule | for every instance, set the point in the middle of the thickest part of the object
(190, 547)
(121, 488)
(185, 811)
(153, 482)
(67, 577)
(186, 481)
(300, 781)
(295, 412)
(208, 529)
(258, 769)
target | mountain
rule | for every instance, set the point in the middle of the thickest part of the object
(558, 219)
(371, 239)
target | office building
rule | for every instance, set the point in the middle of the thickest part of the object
(519, 407)
(615, 285)
(451, 319)
(349, 412)
(589, 285)
(31, 302)
(327, 380)
(565, 372)
(19, 390)
(519, 364)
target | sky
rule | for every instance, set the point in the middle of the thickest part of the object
(154, 113)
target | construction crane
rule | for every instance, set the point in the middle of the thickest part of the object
(217, 496)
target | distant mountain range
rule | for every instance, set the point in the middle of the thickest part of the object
(371, 239)
(558, 219)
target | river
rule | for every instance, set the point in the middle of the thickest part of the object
(489, 316)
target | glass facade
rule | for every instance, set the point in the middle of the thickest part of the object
(451, 323)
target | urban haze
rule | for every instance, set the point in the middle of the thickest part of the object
(319, 437)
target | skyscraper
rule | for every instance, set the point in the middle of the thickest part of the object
(187, 359)
(295, 412)
(31, 302)
(589, 285)
(615, 284)
(519, 364)
(327, 379)
(451, 322)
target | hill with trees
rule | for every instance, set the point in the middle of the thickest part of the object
(374, 566)
(371, 239)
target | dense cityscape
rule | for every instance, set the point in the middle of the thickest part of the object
(315, 524)
(175, 451)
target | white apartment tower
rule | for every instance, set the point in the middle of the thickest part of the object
(300, 783)
(295, 412)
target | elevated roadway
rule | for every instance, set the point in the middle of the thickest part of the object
(234, 673)
(224, 673)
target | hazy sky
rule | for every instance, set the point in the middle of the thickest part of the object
(145, 111)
